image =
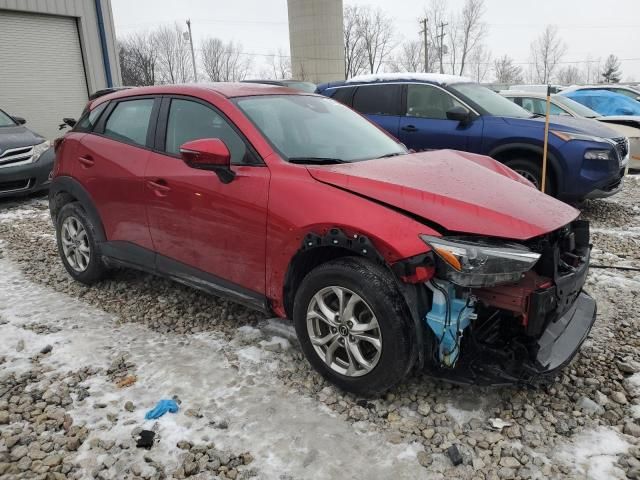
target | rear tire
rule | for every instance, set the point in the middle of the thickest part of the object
(373, 314)
(77, 246)
(531, 169)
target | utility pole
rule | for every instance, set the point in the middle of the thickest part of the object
(193, 55)
(441, 37)
(426, 44)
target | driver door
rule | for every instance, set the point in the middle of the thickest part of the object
(196, 220)
(425, 126)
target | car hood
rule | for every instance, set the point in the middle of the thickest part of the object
(566, 124)
(18, 136)
(629, 120)
(458, 191)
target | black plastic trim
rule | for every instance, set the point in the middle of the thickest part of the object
(134, 256)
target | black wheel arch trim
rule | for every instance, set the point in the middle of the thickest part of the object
(67, 185)
(538, 150)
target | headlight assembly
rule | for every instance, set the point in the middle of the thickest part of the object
(471, 262)
(568, 136)
(39, 149)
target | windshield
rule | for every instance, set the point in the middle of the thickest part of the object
(576, 107)
(309, 127)
(490, 102)
(606, 103)
(6, 120)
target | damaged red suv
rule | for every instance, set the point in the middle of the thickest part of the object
(293, 204)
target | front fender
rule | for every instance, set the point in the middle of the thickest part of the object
(319, 208)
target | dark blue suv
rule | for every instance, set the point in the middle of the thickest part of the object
(432, 111)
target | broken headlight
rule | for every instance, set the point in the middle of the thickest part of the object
(473, 262)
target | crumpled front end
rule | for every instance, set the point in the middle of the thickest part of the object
(508, 314)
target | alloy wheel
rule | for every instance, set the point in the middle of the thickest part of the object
(75, 244)
(344, 331)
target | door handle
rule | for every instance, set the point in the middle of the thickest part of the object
(410, 128)
(86, 161)
(159, 186)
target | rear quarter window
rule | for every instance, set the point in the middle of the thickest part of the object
(378, 99)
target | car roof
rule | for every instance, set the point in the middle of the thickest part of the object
(226, 89)
(435, 78)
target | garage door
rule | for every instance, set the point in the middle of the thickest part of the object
(41, 72)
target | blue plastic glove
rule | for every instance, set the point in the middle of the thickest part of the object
(161, 408)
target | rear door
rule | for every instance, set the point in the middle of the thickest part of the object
(110, 164)
(380, 103)
(425, 126)
(218, 229)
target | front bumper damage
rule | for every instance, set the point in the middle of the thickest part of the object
(520, 333)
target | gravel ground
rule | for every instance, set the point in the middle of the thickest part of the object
(62, 414)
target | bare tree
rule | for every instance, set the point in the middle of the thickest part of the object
(278, 66)
(138, 58)
(354, 54)
(410, 58)
(570, 75)
(507, 71)
(376, 33)
(479, 63)
(472, 30)
(223, 62)
(174, 57)
(611, 72)
(547, 51)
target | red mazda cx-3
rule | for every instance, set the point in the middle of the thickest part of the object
(294, 204)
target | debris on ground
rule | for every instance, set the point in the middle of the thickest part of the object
(162, 407)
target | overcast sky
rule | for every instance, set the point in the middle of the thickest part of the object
(593, 28)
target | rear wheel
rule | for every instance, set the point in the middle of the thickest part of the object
(531, 169)
(353, 325)
(77, 244)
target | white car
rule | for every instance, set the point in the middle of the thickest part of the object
(536, 103)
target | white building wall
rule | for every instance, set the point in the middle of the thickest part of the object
(85, 13)
(316, 40)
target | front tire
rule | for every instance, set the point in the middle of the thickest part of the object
(354, 326)
(532, 170)
(77, 246)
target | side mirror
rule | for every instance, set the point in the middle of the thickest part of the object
(209, 154)
(19, 120)
(459, 114)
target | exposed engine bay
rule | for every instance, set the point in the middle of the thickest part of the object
(504, 315)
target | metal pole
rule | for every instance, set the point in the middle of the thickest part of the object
(546, 141)
(193, 55)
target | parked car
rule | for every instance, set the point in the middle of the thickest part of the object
(432, 111)
(626, 90)
(293, 204)
(26, 158)
(536, 103)
(295, 84)
(609, 104)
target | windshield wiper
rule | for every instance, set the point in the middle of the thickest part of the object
(389, 155)
(316, 160)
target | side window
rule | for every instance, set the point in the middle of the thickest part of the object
(378, 99)
(344, 95)
(556, 110)
(425, 101)
(90, 118)
(129, 121)
(190, 120)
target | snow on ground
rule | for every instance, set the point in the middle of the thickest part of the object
(593, 454)
(285, 432)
